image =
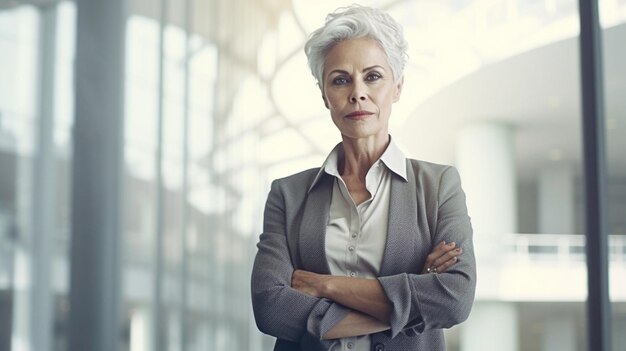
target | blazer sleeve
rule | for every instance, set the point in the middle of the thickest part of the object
(280, 310)
(433, 301)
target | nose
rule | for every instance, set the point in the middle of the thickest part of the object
(358, 93)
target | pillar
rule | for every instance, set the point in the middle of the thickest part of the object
(95, 284)
(559, 333)
(556, 199)
(493, 325)
(140, 332)
(44, 195)
(486, 162)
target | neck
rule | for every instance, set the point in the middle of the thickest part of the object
(360, 155)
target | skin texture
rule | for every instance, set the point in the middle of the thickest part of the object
(359, 91)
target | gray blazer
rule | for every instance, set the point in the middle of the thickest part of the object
(423, 211)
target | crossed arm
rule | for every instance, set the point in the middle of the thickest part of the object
(369, 305)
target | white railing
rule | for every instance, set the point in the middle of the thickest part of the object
(561, 247)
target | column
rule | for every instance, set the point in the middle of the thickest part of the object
(44, 194)
(492, 326)
(95, 284)
(559, 333)
(486, 163)
(140, 326)
(556, 199)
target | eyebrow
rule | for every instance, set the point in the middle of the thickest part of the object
(364, 69)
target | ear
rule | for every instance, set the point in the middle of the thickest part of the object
(398, 91)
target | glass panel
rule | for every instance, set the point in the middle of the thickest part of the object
(613, 21)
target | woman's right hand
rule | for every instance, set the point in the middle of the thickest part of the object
(442, 257)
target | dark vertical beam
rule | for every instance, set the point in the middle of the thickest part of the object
(95, 282)
(598, 304)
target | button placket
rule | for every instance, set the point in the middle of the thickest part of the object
(352, 242)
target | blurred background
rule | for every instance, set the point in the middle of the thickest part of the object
(197, 105)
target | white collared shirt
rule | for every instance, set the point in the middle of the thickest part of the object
(356, 235)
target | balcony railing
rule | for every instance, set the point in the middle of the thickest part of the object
(560, 247)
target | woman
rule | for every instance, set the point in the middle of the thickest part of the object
(372, 251)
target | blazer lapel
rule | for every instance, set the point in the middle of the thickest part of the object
(313, 226)
(402, 226)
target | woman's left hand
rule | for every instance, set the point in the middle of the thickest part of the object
(442, 257)
(308, 282)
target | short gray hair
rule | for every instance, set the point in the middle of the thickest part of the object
(353, 22)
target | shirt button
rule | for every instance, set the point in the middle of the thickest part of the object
(353, 274)
(351, 248)
(379, 347)
(350, 345)
(354, 235)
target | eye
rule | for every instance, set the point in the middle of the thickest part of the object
(373, 76)
(340, 80)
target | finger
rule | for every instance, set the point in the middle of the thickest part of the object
(444, 266)
(440, 251)
(442, 248)
(432, 256)
(437, 252)
(447, 256)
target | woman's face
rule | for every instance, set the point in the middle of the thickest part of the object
(359, 88)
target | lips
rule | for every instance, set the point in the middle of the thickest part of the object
(359, 115)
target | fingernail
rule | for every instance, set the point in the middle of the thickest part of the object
(444, 242)
(452, 243)
(459, 249)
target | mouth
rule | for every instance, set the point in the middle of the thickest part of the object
(357, 115)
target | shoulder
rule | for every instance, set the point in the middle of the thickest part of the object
(296, 184)
(429, 169)
(435, 177)
(298, 179)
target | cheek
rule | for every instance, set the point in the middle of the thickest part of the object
(332, 102)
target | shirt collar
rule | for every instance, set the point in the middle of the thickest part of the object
(393, 158)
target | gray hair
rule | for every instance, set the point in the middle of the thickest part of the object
(353, 22)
